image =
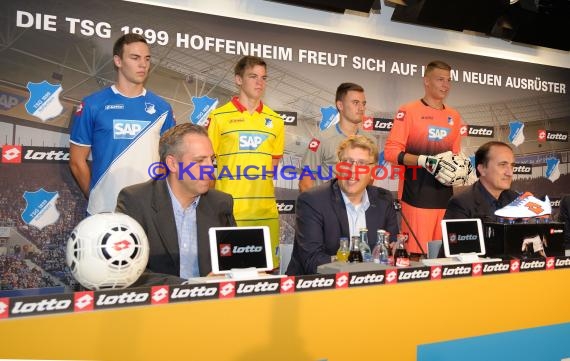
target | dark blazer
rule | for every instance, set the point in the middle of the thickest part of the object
(321, 220)
(149, 203)
(472, 203)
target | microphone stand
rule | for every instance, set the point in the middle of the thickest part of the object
(398, 208)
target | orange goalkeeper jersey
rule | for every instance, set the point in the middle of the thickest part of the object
(420, 129)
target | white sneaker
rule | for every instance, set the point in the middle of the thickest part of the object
(526, 206)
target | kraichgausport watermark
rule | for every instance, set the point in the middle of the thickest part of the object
(342, 171)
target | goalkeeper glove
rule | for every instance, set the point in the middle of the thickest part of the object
(441, 166)
(464, 170)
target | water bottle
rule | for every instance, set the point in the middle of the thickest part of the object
(380, 253)
(364, 247)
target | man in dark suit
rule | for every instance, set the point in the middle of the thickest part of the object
(341, 207)
(177, 208)
(494, 162)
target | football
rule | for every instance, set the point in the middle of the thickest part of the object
(106, 251)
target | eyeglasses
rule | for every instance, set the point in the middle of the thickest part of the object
(356, 162)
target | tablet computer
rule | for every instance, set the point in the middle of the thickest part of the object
(462, 236)
(240, 248)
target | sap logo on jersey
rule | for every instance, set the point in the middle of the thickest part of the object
(127, 129)
(251, 141)
(437, 133)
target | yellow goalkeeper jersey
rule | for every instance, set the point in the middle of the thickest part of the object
(245, 145)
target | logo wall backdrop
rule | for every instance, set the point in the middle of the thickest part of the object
(57, 52)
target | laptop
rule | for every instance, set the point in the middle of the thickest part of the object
(462, 242)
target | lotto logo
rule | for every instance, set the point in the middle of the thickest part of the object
(159, 295)
(541, 135)
(44, 154)
(4, 307)
(315, 283)
(515, 265)
(289, 118)
(288, 284)
(550, 263)
(207, 123)
(522, 169)
(286, 207)
(435, 272)
(534, 207)
(225, 250)
(400, 115)
(496, 268)
(121, 245)
(245, 288)
(532, 265)
(383, 124)
(190, 293)
(227, 289)
(456, 271)
(83, 301)
(12, 154)
(562, 262)
(556, 136)
(477, 269)
(79, 109)
(391, 276)
(125, 298)
(314, 145)
(463, 130)
(479, 131)
(342, 280)
(360, 278)
(367, 123)
(247, 249)
(43, 305)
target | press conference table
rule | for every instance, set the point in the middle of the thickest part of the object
(387, 322)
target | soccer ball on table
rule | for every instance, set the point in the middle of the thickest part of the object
(107, 250)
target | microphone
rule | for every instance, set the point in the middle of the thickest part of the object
(398, 208)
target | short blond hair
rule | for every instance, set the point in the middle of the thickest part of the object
(358, 141)
(437, 64)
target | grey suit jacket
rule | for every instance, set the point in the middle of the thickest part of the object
(149, 203)
(321, 220)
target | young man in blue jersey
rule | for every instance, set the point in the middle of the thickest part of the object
(120, 126)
